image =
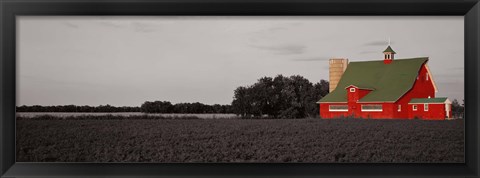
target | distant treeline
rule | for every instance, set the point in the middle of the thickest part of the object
(194, 108)
(280, 97)
(74, 108)
(147, 107)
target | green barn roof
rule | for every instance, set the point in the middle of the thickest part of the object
(389, 49)
(388, 81)
(428, 100)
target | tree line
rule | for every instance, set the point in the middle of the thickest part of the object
(279, 97)
(147, 107)
(195, 108)
(74, 108)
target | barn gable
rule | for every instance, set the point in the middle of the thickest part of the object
(389, 82)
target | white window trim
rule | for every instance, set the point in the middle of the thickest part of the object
(399, 108)
(425, 107)
(352, 89)
(426, 76)
(337, 110)
(414, 107)
(371, 110)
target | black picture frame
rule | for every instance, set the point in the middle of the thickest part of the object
(9, 9)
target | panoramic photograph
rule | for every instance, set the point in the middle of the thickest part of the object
(240, 89)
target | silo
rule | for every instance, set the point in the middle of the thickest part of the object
(336, 69)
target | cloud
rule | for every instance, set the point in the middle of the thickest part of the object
(378, 43)
(136, 26)
(283, 49)
(275, 29)
(48, 81)
(281, 27)
(295, 24)
(143, 27)
(368, 52)
(271, 32)
(456, 68)
(313, 59)
(449, 83)
(71, 25)
(111, 24)
(449, 74)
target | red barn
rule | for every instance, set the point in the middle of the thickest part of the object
(384, 89)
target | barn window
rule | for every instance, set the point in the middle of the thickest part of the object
(352, 89)
(426, 77)
(414, 107)
(338, 108)
(425, 107)
(372, 107)
(399, 108)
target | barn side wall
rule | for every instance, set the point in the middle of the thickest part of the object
(326, 114)
(436, 111)
(355, 110)
(386, 113)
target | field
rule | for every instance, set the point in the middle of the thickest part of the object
(238, 140)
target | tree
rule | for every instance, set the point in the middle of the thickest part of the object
(260, 92)
(457, 109)
(322, 87)
(241, 102)
(297, 93)
(279, 97)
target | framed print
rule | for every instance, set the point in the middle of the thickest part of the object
(227, 89)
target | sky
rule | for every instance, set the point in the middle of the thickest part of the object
(125, 61)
